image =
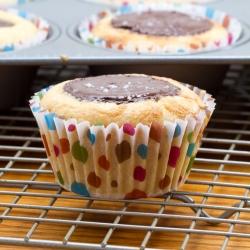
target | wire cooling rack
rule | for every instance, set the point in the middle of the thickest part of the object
(211, 211)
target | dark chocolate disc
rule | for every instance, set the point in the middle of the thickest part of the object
(120, 88)
(162, 23)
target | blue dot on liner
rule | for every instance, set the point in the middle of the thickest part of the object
(8, 48)
(142, 151)
(79, 188)
(190, 149)
(180, 50)
(177, 131)
(99, 40)
(125, 9)
(21, 1)
(91, 137)
(22, 14)
(210, 13)
(50, 121)
(35, 109)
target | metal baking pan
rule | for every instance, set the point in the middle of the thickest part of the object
(64, 40)
(64, 46)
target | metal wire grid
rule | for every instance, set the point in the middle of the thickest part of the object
(212, 206)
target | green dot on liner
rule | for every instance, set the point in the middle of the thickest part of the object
(98, 124)
(189, 136)
(79, 152)
(60, 178)
(190, 164)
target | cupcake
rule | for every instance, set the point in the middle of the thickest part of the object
(19, 30)
(161, 27)
(125, 2)
(7, 3)
(121, 136)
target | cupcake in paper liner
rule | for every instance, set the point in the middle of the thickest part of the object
(121, 136)
(19, 30)
(161, 27)
(7, 3)
(126, 2)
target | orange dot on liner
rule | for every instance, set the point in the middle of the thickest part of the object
(46, 145)
(64, 142)
(135, 194)
(163, 183)
(103, 162)
(94, 180)
(108, 137)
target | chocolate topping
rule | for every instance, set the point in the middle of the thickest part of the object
(162, 23)
(120, 88)
(5, 24)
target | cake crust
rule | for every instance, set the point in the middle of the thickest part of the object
(166, 108)
(104, 29)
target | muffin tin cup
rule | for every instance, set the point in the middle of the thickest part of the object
(41, 35)
(231, 24)
(121, 162)
(125, 2)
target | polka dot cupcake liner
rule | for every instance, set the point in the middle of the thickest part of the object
(41, 35)
(126, 2)
(232, 25)
(7, 3)
(121, 162)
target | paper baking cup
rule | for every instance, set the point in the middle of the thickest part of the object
(231, 24)
(41, 35)
(125, 2)
(6, 3)
(121, 162)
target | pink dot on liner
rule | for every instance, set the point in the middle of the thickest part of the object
(230, 38)
(56, 150)
(173, 157)
(32, 104)
(71, 128)
(180, 179)
(128, 129)
(217, 43)
(139, 173)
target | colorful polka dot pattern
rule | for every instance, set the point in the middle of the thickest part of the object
(142, 151)
(103, 162)
(79, 188)
(123, 151)
(173, 157)
(128, 129)
(135, 194)
(139, 173)
(91, 137)
(64, 142)
(79, 153)
(60, 178)
(120, 167)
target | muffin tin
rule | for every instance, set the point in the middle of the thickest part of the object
(64, 46)
(68, 48)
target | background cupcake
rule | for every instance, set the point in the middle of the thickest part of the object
(7, 3)
(146, 148)
(19, 30)
(161, 28)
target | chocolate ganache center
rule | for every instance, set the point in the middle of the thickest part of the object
(120, 88)
(4, 24)
(162, 23)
